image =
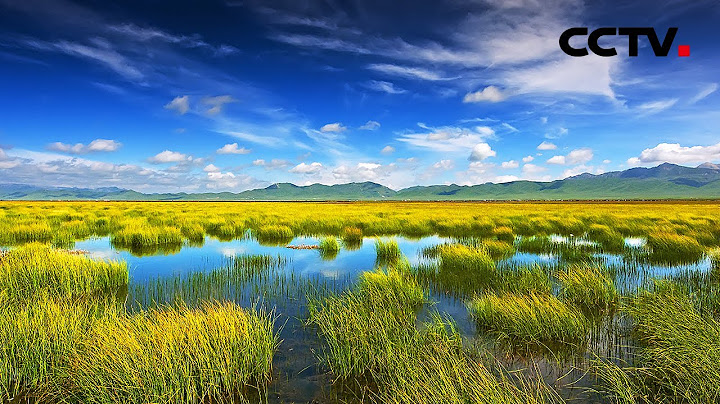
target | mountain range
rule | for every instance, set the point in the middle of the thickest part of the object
(666, 181)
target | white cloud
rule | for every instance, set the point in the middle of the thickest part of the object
(272, 164)
(336, 127)
(211, 168)
(303, 168)
(577, 156)
(387, 150)
(408, 72)
(654, 107)
(488, 94)
(444, 165)
(531, 169)
(704, 93)
(384, 86)
(560, 160)
(510, 164)
(590, 75)
(232, 148)
(607, 161)
(448, 138)
(97, 145)
(481, 151)
(546, 146)
(180, 104)
(580, 156)
(168, 156)
(674, 153)
(269, 141)
(528, 159)
(217, 103)
(371, 125)
(505, 178)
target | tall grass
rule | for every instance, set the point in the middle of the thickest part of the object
(139, 236)
(38, 340)
(373, 341)
(532, 318)
(388, 252)
(274, 234)
(329, 248)
(674, 248)
(35, 267)
(352, 237)
(588, 287)
(679, 355)
(176, 355)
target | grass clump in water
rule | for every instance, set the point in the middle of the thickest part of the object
(38, 339)
(35, 267)
(274, 234)
(588, 287)
(388, 252)
(532, 318)
(176, 355)
(352, 237)
(674, 248)
(329, 248)
(679, 355)
(373, 341)
(139, 236)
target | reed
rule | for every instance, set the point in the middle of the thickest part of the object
(177, 354)
(532, 318)
(142, 236)
(352, 235)
(30, 269)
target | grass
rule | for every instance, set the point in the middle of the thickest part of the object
(532, 318)
(329, 248)
(352, 237)
(587, 287)
(674, 248)
(176, 355)
(274, 234)
(35, 267)
(139, 236)
(678, 358)
(388, 252)
(372, 340)
(37, 342)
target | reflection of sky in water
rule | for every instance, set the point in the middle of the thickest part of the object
(636, 242)
(213, 253)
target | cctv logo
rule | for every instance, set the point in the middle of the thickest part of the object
(660, 49)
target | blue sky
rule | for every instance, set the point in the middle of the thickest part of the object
(231, 95)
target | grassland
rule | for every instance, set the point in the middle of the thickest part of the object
(74, 329)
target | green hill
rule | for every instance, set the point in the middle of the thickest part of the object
(666, 181)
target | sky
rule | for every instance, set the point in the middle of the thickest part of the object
(209, 96)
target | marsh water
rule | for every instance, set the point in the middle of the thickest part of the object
(157, 276)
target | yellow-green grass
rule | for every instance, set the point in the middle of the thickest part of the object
(329, 247)
(352, 237)
(388, 252)
(38, 340)
(274, 234)
(139, 236)
(42, 221)
(175, 355)
(674, 248)
(529, 318)
(33, 268)
(373, 340)
(587, 287)
(678, 358)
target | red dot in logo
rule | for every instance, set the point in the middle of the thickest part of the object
(684, 50)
